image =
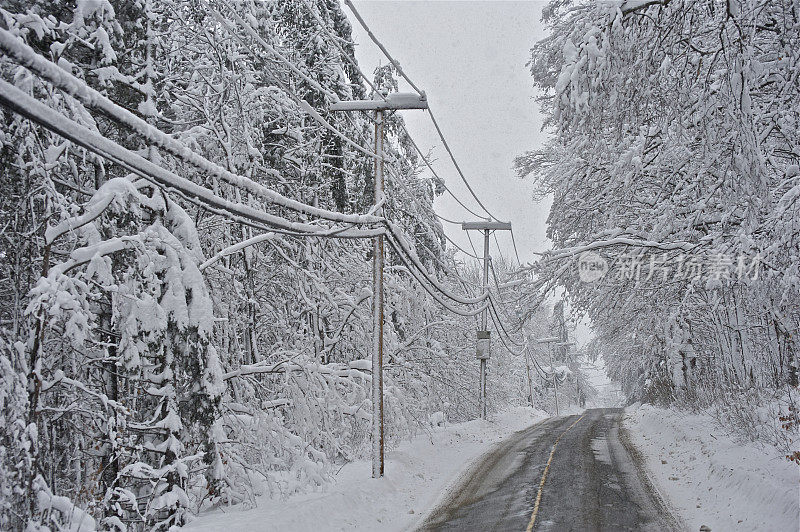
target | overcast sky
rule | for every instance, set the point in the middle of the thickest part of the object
(470, 59)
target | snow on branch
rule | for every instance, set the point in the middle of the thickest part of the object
(626, 241)
(354, 369)
(110, 192)
(18, 101)
(237, 247)
(83, 255)
(60, 378)
(77, 88)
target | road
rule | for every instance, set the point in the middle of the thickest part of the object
(592, 482)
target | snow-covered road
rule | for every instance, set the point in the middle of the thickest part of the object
(635, 469)
(566, 473)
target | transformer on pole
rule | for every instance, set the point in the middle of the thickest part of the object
(483, 347)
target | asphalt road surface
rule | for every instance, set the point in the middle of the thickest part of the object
(593, 482)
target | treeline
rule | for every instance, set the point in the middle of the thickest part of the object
(183, 323)
(674, 162)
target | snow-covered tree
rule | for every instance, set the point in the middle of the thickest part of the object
(675, 148)
(158, 354)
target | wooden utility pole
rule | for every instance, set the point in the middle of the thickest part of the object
(528, 371)
(483, 350)
(555, 379)
(550, 340)
(390, 102)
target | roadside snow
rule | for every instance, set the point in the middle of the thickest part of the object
(710, 479)
(417, 475)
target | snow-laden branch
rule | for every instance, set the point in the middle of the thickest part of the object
(302, 103)
(332, 341)
(83, 255)
(630, 6)
(250, 31)
(423, 331)
(353, 369)
(237, 247)
(26, 56)
(324, 123)
(71, 224)
(105, 196)
(19, 102)
(627, 241)
(511, 284)
(60, 378)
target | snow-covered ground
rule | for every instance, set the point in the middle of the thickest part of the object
(710, 479)
(417, 475)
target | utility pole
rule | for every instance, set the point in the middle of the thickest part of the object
(379, 105)
(555, 380)
(566, 346)
(483, 345)
(528, 370)
(551, 340)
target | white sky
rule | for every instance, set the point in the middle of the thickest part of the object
(470, 59)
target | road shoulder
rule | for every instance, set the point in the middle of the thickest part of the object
(708, 478)
(658, 500)
(417, 473)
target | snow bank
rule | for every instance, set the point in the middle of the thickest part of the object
(417, 475)
(710, 479)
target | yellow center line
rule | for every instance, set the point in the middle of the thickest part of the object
(544, 477)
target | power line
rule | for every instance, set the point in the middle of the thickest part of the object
(442, 218)
(499, 323)
(393, 232)
(497, 245)
(399, 180)
(475, 251)
(383, 48)
(455, 163)
(77, 88)
(421, 93)
(19, 102)
(416, 201)
(439, 179)
(514, 242)
(421, 276)
(419, 151)
(496, 280)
